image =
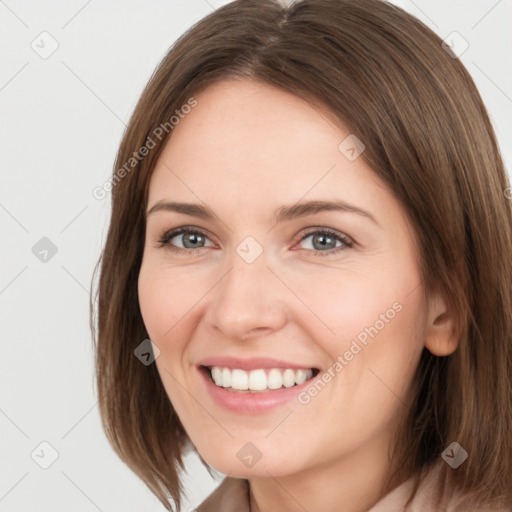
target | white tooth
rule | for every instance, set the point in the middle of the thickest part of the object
(300, 376)
(217, 375)
(239, 379)
(274, 379)
(257, 380)
(288, 378)
(226, 378)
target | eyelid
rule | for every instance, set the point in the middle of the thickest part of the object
(164, 239)
(347, 241)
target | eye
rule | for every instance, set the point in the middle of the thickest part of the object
(326, 239)
(190, 239)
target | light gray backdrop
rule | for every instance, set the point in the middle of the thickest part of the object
(70, 75)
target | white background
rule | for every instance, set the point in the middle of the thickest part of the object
(61, 122)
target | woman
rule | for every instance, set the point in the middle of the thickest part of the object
(307, 273)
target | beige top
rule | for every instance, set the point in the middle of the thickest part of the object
(232, 495)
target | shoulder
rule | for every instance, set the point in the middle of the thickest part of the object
(232, 495)
(425, 498)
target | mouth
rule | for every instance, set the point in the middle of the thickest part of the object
(261, 380)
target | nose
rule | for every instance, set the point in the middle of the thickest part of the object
(250, 301)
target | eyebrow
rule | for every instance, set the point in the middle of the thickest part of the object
(282, 214)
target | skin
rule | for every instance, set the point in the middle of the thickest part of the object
(244, 151)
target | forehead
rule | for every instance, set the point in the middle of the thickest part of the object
(245, 136)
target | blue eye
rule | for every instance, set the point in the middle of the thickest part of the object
(195, 239)
(326, 238)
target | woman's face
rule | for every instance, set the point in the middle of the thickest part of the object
(259, 286)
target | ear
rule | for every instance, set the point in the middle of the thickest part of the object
(440, 338)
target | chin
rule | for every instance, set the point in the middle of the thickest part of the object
(246, 462)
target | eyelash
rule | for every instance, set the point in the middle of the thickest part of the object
(169, 235)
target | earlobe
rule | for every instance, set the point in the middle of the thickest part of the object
(440, 336)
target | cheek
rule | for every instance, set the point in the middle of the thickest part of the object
(166, 305)
(166, 298)
(152, 298)
(338, 306)
(376, 333)
(388, 348)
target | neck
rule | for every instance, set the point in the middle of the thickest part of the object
(352, 484)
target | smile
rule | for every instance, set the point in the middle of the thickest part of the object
(261, 379)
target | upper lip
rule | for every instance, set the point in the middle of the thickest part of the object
(253, 363)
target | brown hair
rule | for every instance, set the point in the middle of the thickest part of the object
(386, 77)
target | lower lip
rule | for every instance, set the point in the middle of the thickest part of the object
(250, 403)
